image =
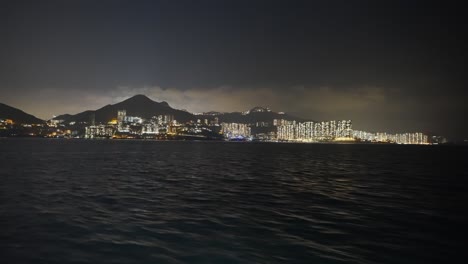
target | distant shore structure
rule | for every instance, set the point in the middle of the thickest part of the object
(139, 117)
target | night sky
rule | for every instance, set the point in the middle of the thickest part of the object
(394, 66)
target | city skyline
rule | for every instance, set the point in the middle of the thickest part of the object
(157, 120)
(56, 119)
(393, 65)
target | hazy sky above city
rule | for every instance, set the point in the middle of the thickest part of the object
(396, 66)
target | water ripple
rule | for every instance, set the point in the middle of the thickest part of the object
(73, 201)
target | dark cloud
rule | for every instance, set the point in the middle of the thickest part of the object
(388, 65)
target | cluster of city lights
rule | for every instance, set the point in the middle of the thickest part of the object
(282, 130)
(279, 130)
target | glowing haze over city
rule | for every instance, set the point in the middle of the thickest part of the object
(393, 66)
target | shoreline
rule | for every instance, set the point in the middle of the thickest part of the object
(199, 139)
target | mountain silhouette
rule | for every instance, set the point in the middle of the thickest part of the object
(138, 105)
(142, 106)
(18, 116)
(253, 117)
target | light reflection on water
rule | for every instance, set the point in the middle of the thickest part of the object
(74, 201)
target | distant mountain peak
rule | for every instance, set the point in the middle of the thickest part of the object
(139, 98)
(142, 106)
(143, 99)
(259, 109)
(138, 105)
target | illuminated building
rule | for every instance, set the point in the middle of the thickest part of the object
(235, 130)
(120, 119)
(313, 131)
(113, 122)
(99, 131)
(402, 138)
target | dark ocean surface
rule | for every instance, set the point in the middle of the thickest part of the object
(109, 201)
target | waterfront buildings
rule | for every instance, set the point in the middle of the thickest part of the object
(236, 130)
(313, 131)
(99, 131)
(382, 137)
(278, 130)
